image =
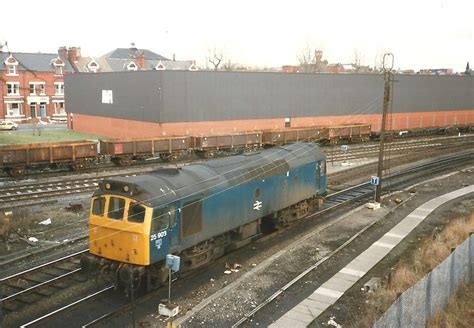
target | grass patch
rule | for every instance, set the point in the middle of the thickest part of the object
(49, 135)
(408, 271)
(458, 313)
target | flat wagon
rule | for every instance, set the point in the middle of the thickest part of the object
(123, 151)
(18, 159)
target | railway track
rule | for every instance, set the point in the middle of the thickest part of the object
(104, 292)
(354, 195)
(40, 193)
(394, 148)
(33, 285)
(357, 195)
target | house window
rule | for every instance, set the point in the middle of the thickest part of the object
(33, 110)
(14, 109)
(59, 88)
(11, 70)
(132, 66)
(59, 108)
(59, 70)
(32, 89)
(13, 88)
(42, 88)
(93, 67)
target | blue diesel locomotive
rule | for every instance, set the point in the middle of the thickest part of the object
(199, 211)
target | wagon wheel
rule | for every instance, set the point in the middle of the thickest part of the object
(77, 166)
(122, 161)
(15, 171)
(202, 153)
(165, 157)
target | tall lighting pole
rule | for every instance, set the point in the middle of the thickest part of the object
(387, 71)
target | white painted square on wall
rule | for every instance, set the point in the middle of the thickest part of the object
(107, 97)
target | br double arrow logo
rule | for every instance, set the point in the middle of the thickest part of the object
(257, 205)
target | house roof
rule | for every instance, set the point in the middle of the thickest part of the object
(34, 61)
(124, 53)
(119, 59)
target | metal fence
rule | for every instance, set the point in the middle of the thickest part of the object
(419, 303)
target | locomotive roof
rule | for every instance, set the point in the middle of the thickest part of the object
(201, 179)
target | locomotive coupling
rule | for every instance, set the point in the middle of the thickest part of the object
(90, 263)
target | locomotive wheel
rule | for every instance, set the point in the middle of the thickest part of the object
(129, 277)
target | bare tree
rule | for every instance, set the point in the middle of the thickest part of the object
(307, 59)
(229, 65)
(377, 60)
(357, 58)
(215, 57)
(310, 59)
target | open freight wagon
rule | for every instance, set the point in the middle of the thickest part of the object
(285, 136)
(210, 145)
(20, 158)
(124, 151)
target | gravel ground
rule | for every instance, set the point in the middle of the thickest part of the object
(270, 263)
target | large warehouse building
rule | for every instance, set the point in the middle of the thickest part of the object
(165, 103)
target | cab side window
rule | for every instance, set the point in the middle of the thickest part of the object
(136, 213)
(172, 215)
(98, 206)
(159, 219)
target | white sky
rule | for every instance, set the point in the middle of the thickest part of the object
(420, 33)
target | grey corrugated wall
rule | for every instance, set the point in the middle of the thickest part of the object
(184, 96)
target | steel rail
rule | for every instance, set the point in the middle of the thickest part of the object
(435, 166)
(68, 306)
(16, 275)
(44, 283)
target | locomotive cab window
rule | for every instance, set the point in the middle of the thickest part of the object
(98, 206)
(136, 213)
(116, 208)
(159, 220)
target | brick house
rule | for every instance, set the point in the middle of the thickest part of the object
(32, 86)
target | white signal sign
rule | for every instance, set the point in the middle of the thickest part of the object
(374, 180)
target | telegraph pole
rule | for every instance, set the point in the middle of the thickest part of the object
(387, 71)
